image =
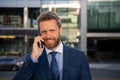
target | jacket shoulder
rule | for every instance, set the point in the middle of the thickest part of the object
(73, 50)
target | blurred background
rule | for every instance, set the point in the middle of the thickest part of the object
(89, 25)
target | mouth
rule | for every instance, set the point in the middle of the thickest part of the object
(49, 40)
(49, 43)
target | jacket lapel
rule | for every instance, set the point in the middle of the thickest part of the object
(45, 65)
(65, 62)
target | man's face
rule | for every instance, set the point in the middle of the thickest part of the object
(50, 33)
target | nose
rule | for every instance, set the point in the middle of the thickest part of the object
(47, 34)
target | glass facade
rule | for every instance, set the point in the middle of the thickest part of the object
(59, 1)
(11, 45)
(11, 17)
(68, 10)
(103, 15)
(33, 13)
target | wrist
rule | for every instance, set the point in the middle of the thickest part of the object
(35, 57)
(34, 60)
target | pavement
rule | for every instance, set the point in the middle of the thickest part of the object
(107, 66)
(105, 71)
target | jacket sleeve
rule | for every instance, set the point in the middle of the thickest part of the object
(27, 69)
(85, 73)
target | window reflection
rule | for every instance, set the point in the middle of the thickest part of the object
(32, 19)
(11, 17)
(103, 15)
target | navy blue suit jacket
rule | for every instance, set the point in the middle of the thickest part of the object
(75, 67)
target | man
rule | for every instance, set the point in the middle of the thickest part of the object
(69, 63)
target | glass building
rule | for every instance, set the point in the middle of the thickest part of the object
(90, 25)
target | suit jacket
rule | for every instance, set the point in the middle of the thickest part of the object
(75, 67)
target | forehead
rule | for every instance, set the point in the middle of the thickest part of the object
(48, 24)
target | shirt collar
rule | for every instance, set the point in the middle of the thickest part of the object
(59, 49)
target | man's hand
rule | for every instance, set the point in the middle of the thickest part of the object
(36, 51)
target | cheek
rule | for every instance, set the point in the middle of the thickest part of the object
(43, 36)
(57, 35)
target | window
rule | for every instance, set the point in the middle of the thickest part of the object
(104, 15)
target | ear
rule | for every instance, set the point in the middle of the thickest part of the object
(60, 29)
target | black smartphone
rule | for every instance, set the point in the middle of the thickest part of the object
(41, 43)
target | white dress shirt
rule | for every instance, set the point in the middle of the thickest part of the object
(59, 58)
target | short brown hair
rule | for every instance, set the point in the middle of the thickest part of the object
(48, 15)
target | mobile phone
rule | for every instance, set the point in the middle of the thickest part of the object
(40, 44)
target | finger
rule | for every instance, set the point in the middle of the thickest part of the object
(40, 39)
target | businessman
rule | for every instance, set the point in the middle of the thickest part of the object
(53, 60)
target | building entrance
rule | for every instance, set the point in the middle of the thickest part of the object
(103, 49)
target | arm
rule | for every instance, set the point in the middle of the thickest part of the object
(29, 66)
(85, 73)
(27, 70)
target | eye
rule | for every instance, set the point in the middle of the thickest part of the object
(52, 30)
(43, 32)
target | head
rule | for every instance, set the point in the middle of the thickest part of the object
(49, 25)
